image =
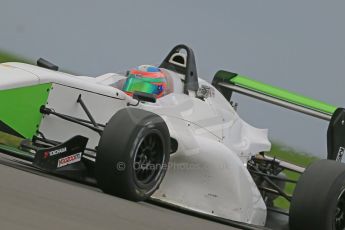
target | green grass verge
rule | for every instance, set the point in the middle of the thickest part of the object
(291, 156)
(7, 57)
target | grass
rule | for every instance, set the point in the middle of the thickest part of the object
(7, 57)
(291, 156)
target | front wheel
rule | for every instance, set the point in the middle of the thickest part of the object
(318, 202)
(133, 154)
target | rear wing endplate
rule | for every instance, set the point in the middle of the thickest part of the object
(227, 83)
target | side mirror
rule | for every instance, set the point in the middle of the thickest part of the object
(147, 97)
(46, 64)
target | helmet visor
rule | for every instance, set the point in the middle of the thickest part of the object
(134, 84)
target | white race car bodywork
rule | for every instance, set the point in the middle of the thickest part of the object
(208, 171)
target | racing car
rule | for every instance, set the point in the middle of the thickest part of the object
(162, 134)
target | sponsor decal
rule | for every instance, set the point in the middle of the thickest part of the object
(69, 160)
(340, 153)
(55, 152)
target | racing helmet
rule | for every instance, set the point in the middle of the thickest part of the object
(146, 79)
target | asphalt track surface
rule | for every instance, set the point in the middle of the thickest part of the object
(35, 201)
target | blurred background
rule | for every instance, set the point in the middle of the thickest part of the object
(296, 44)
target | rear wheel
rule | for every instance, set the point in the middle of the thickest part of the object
(133, 154)
(319, 199)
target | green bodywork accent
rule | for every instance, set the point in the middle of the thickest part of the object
(20, 108)
(282, 94)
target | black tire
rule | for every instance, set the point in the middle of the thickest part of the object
(318, 201)
(133, 154)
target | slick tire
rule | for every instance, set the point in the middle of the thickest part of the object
(318, 201)
(133, 154)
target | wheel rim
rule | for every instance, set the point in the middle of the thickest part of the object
(149, 159)
(340, 212)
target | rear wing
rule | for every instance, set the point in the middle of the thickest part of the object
(227, 83)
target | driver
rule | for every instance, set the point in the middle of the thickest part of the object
(146, 79)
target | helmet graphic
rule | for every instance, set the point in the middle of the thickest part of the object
(146, 79)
